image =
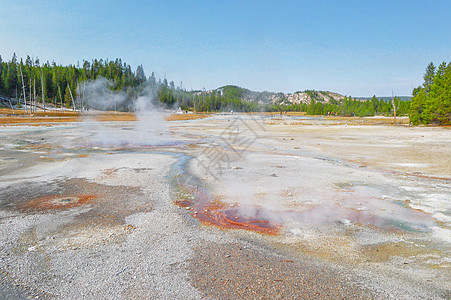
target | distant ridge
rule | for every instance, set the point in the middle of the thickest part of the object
(277, 98)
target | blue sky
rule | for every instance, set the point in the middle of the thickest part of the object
(357, 48)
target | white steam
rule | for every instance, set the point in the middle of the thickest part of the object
(97, 94)
(149, 128)
(304, 191)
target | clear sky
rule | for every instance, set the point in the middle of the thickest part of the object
(357, 48)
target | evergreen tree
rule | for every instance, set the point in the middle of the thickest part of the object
(152, 80)
(429, 76)
(140, 75)
(431, 102)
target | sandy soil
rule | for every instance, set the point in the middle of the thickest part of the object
(89, 209)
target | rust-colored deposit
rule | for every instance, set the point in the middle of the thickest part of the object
(190, 116)
(115, 116)
(35, 120)
(215, 212)
(186, 203)
(40, 146)
(57, 202)
(50, 112)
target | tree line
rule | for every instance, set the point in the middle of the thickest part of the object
(431, 102)
(61, 84)
(350, 107)
(31, 79)
(231, 98)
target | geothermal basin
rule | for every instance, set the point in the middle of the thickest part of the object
(228, 206)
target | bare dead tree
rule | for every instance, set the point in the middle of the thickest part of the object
(61, 99)
(42, 83)
(23, 88)
(394, 107)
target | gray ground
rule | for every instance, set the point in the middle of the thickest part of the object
(83, 217)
